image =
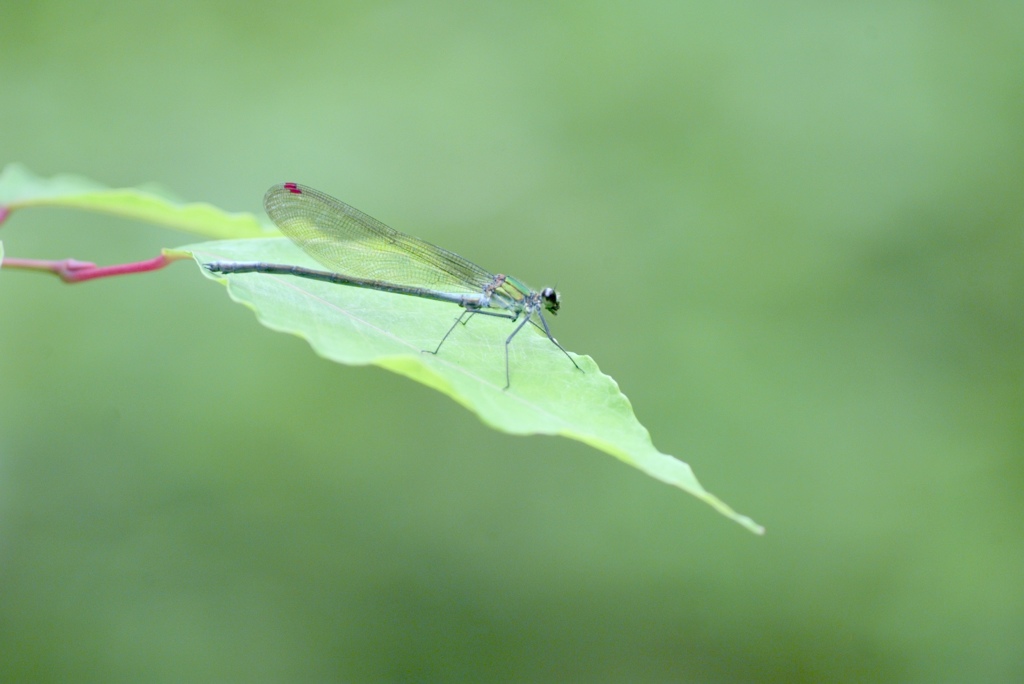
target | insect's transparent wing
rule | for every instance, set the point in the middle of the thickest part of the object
(347, 241)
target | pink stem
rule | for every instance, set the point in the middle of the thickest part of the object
(74, 271)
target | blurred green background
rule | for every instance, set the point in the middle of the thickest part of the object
(792, 233)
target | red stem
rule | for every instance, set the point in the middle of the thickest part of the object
(74, 271)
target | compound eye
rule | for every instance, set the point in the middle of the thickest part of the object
(552, 300)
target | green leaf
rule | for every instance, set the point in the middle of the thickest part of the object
(19, 188)
(360, 327)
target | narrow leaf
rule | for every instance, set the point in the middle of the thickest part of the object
(19, 188)
(548, 394)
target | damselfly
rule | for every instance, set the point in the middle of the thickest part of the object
(363, 252)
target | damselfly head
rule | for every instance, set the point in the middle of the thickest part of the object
(552, 300)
